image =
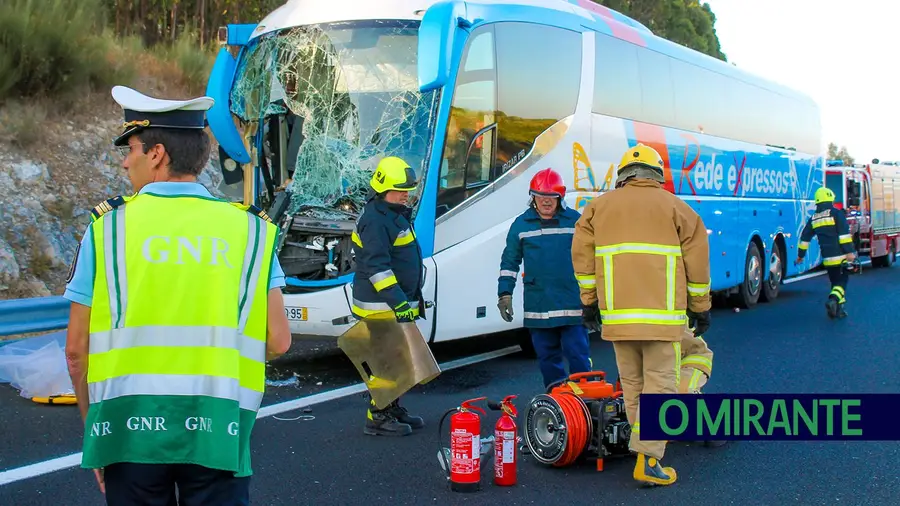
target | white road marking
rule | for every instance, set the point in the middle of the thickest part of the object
(73, 460)
(816, 274)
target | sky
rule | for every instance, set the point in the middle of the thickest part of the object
(842, 53)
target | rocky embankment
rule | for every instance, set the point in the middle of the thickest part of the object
(46, 194)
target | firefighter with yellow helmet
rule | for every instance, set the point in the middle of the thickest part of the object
(388, 278)
(648, 253)
(829, 224)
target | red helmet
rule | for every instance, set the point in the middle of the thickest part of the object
(548, 183)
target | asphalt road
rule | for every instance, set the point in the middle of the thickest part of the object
(786, 346)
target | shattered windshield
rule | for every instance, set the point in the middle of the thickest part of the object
(350, 94)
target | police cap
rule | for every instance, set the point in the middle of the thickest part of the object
(143, 112)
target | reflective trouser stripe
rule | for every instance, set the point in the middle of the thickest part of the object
(562, 313)
(830, 261)
(838, 291)
(697, 360)
(678, 363)
(845, 238)
(219, 387)
(643, 316)
(382, 280)
(586, 280)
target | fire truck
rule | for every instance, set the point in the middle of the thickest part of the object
(869, 194)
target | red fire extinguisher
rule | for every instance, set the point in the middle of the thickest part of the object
(505, 438)
(465, 447)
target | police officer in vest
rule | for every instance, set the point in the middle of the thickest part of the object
(829, 224)
(176, 306)
(542, 237)
(389, 277)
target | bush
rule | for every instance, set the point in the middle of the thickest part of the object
(57, 48)
(193, 63)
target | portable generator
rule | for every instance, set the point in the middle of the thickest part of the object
(580, 418)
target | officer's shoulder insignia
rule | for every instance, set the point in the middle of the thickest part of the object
(252, 209)
(107, 206)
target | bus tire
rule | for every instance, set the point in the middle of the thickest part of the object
(772, 286)
(749, 290)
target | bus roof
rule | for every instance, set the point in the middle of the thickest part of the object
(585, 13)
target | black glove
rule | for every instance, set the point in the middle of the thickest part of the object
(699, 322)
(591, 317)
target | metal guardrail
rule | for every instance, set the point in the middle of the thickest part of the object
(40, 314)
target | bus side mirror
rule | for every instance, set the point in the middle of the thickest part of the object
(437, 38)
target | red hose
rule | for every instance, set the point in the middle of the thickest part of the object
(576, 426)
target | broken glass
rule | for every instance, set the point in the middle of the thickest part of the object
(349, 93)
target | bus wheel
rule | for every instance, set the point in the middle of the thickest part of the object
(772, 285)
(748, 293)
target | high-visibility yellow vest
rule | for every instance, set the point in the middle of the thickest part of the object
(176, 370)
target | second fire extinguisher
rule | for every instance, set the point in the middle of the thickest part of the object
(505, 439)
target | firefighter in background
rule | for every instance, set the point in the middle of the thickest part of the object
(830, 226)
(542, 237)
(648, 254)
(389, 276)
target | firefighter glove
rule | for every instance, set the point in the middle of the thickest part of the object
(505, 306)
(591, 317)
(404, 313)
(698, 321)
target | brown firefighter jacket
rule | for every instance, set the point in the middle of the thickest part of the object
(643, 254)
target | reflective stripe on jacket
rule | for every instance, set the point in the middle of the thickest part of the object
(647, 253)
(550, 291)
(388, 261)
(830, 226)
(176, 367)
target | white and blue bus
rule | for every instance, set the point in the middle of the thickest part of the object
(478, 96)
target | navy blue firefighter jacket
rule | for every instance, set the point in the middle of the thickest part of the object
(830, 226)
(389, 268)
(552, 296)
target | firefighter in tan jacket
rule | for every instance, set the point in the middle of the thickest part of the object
(641, 256)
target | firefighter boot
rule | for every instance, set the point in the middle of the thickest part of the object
(647, 470)
(384, 423)
(403, 416)
(832, 306)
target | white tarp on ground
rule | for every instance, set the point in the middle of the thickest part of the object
(36, 365)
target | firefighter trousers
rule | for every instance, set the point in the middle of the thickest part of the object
(651, 367)
(696, 363)
(839, 278)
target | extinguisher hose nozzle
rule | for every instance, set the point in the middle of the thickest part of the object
(442, 457)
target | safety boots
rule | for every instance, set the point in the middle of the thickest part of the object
(393, 420)
(647, 470)
(835, 308)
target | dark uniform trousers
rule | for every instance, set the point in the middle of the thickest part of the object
(130, 484)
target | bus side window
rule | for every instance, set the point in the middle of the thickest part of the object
(465, 169)
(533, 97)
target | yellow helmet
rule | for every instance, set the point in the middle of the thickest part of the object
(824, 194)
(393, 173)
(641, 156)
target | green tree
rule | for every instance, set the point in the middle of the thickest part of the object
(685, 22)
(839, 154)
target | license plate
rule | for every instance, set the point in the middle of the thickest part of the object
(297, 314)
